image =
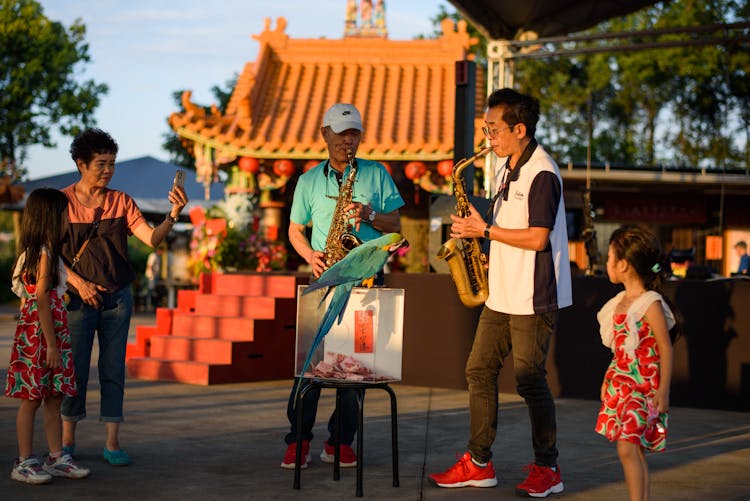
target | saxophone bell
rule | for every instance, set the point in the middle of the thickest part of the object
(349, 241)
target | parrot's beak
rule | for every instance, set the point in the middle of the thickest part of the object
(396, 246)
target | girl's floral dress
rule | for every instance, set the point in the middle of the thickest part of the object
(28, 378)
(633, 375)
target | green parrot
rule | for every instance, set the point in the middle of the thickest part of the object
(358, 267)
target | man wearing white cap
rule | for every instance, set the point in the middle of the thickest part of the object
(374, 211)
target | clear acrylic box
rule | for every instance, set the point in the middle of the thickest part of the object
(366, 346)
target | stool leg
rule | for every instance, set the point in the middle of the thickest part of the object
(360, 438)
(300, 406)
(337, 440)
(394, 435)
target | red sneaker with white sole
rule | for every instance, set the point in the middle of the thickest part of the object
(347, 458)
(290, 458)
(466, 473)
(541, 482)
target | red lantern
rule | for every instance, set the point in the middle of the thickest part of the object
(283, 167)
(387, 167)
(415, 170)
(197, 215)
(249, 164)
(445, 167)
(309, 165)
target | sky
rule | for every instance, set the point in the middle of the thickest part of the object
(144, 50)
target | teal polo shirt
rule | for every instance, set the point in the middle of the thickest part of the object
(317, 191)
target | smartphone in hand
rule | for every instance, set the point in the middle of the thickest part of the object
(179, 179)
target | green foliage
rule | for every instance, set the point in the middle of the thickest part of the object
(677, 106)
(684, 106)
(38, 86)
(234, 250)
(7, 260)
(230, 253)
(138, 254)
(6, 221)
(223, 95)
(172, 144)
(178, 153)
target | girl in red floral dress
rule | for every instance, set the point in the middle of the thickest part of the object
(636, 325)
(41, 365)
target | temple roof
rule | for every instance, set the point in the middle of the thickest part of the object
(404, 89)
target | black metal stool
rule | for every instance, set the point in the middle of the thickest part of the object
(340, 386)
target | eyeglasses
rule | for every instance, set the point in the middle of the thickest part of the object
(492, 133)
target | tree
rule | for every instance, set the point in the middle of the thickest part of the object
(38, 88)
(679, 106)
(173, 144)
(684, 106)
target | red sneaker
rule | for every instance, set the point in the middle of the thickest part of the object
(541, 482)
(290, 458)
(347, 458)
(466, 473)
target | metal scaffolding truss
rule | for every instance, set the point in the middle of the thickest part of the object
(501, 54)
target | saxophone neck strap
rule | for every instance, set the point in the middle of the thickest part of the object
(327, 169)
(510, 175)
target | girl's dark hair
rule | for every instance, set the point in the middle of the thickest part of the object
(41, 226)
(92, 142)
(518, 108)
(640, 247)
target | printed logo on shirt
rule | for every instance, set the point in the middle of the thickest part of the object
(519, 195)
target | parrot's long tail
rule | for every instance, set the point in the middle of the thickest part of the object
(335, 310)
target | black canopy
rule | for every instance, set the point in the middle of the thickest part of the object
(505, 20)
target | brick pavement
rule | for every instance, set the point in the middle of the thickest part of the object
(225, 441)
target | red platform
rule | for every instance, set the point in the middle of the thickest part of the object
(233, 328)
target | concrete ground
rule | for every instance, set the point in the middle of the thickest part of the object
(226, 442)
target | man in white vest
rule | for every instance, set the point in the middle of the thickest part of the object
(529, 281)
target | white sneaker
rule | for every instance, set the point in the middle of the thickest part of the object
(30, 471)
(65, 466)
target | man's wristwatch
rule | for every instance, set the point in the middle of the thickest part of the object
(372, 215)
(487, 231)
(171, 220)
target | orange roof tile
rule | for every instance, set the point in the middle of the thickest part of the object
(404, 89)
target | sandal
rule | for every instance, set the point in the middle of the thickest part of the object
(116, 458)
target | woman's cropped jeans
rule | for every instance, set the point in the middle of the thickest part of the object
(111, 323)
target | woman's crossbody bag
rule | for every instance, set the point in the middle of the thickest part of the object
(92, 231)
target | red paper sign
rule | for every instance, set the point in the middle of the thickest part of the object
(363, 331)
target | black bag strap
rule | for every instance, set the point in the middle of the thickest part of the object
(92, 231)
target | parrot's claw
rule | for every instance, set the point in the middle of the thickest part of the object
(369, 282)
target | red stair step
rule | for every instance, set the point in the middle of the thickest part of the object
(204, 326)
(202, 373)
(186, 300)
(154, 369)
(215, 351)
(140, 348)
(164, 320)
(235, 306)
(234, 328)
(240, 284)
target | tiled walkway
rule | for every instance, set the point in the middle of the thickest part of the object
(225, 442)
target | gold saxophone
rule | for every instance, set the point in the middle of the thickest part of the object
(340, 240)
(464, 256)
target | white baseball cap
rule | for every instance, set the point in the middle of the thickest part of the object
(341, 117)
